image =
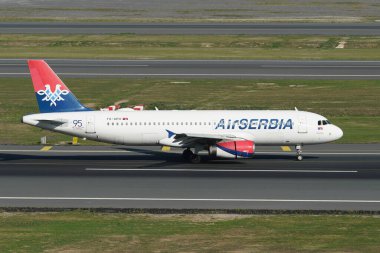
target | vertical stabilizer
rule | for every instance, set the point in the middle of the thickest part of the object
(51, 93)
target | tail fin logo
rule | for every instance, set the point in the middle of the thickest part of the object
(53, 97)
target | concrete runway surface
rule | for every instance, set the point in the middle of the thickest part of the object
(192, 28)
(264, 69)
(331, 177)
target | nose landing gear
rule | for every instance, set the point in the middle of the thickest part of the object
(299, 152)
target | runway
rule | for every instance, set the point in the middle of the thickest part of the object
(264, 69)
(192, 28)
(331, 177)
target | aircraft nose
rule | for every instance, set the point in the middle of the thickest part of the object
(338, 133)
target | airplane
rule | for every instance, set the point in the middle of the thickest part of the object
(222, 133)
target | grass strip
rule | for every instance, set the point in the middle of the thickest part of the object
(352, 105)
(131, 46)
(99, 232)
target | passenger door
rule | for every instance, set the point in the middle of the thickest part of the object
(302, 123)
(90, 124)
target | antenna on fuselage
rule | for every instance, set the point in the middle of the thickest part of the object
(295, 108)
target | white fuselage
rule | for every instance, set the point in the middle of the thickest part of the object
(264, 127)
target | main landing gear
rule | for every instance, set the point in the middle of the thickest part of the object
(188, 155)
(299, 152)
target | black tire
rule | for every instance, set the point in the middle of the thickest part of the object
(187, 154)
(195, 159)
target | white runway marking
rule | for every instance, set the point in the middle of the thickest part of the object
(224, 170)
(196, 199)
(319, 66)
(79, 64)
(198, 74)
(66, 151)
(145, 65)
(319, 153)
(210, 60)
(128, 151)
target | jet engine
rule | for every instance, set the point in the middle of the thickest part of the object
(233, 149)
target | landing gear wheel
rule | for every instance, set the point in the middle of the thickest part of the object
(187, 154)
(299, 153)
(195, 159)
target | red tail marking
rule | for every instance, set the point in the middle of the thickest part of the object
(42, 75)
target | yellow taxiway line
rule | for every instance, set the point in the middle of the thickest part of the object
(46, 148)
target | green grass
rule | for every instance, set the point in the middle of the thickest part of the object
(130, 46)
(254, 11)
(96, 232)
(352, 105)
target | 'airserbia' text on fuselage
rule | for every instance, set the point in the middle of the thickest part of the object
(254, 124)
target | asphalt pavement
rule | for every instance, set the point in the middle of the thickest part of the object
(331, 177)
(192, 28)
(260, 69)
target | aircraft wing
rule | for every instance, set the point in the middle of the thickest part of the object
(193, 139)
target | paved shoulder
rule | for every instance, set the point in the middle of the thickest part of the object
(192, 28)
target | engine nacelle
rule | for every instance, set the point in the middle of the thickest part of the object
(233, 149)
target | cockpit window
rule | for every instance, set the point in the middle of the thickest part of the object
(323, 122)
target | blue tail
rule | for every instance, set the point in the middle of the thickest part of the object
(52, 94)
